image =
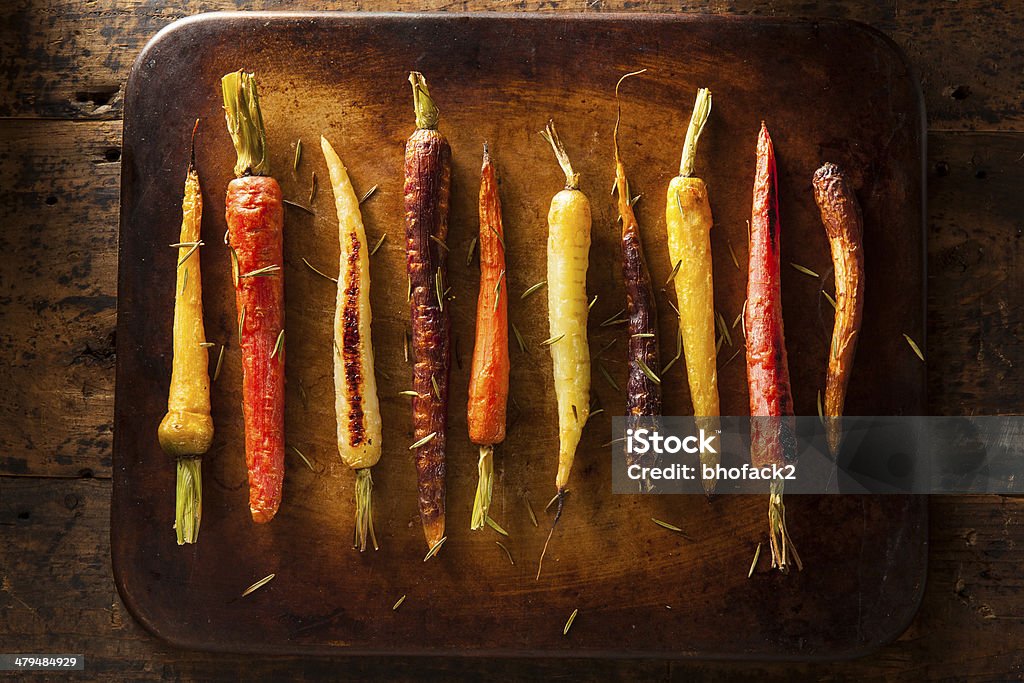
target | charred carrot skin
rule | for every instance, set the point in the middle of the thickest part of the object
(488, 384)
(255, 219)
(427, 188)
(772, 430)
(767, 365)
(841, 215)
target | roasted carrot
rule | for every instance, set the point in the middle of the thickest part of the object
(643, 386)
(187, 429)
(772, 430)
(488, 382)
(688, 225)
(568, 258)
(355, 386)
(255, 218)
(427, 186)
(841, 215)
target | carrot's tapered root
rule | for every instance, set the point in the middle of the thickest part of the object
(781, 544)
(560, 499)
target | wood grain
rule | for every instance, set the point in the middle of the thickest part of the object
(58, 208)
(70, 60)
(56, 593)
(54, 57)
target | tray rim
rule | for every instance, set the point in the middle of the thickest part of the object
(138, 612)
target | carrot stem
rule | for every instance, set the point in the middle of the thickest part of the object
(484, 488)
(701, 112)
(364, 510)
(245, 123)
(188, 508)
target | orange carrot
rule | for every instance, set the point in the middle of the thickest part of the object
(488, 384)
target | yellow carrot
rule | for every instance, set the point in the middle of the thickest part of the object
(688, 224)
(186, 431)
(568, 256)
(355, 386)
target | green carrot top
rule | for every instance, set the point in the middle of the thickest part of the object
(245, 123)
(426, 111)
(701, 111)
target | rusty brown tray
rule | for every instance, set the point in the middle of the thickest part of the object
(828, 90)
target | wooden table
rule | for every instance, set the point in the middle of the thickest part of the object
(63, 67)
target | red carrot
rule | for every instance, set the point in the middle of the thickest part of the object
(488, 384)
(427, 184)
(255, 218)
(772, 440)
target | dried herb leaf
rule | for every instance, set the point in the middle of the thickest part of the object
(424, 441)
(666, 525)
(568, 624)
(434, 550)
(608, 377)
(915, 347)
(672, 275)
(500, 545)
(278, 344)
(494, 525)
(647, 371)
(519, 339)
(805, 270)
(533, 288)
(259, 584)
(318, 271)
(552, 340)
(220, 361)
(753, 564)
(367, 194)
(379, 243)
(288, 202)
(265, 271)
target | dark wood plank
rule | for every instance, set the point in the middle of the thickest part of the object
(975, 279)
(70, 61)
(57, 594)
(58, 208)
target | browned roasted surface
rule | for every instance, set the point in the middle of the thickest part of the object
(428, 160)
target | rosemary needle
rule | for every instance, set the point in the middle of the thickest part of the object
(368, 194)
(568, 624)
(434, 550)
(424, 441)
(500, 545)
(259, 584)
